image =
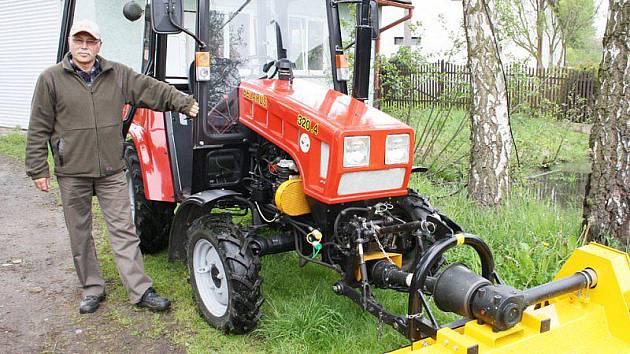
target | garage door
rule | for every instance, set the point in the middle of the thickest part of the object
(28, 44)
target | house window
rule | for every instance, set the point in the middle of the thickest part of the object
(412, 41)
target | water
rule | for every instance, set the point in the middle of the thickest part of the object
(564, 186)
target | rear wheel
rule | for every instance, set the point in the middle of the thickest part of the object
(414, 208)
(152, 218)
(224, 275)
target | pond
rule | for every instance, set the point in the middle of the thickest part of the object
(564, 186)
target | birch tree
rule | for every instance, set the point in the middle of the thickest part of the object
(491, 142)
(607, 201)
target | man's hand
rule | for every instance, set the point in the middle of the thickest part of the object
(192, 113)
(42, 183)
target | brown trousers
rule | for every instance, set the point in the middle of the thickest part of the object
(113, 197)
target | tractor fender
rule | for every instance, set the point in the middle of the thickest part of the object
(188, 211)
(149, 136)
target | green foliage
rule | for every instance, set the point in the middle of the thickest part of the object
(397, 71)
(13, 144)
(530, 238)
(566, 25)
(589, 55)
(542, 142)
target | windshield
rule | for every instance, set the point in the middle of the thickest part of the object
(249, 37)
(242, 35)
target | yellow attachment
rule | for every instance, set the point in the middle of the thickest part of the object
(460, 239)
(589, 321)
(375, 256)
(314, 236)
(290, 198)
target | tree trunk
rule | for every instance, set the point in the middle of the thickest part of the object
(607, 201)
(491, 142)
(540, 29)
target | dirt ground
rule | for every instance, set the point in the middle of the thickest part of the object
(39, 292)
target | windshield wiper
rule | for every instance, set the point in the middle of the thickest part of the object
(236, 13)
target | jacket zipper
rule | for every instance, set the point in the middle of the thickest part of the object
(91, 89)
(98, 149)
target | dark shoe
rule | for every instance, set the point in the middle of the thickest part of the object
(90, 303)
(153, 301)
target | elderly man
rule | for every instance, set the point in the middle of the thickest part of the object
(77, 110)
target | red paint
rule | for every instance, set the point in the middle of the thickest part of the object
(149, 136)
(337, 116)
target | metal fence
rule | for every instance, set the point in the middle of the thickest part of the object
(563, 92)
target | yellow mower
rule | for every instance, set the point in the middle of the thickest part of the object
(586, 309)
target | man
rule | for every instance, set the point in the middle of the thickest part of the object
(77, 110)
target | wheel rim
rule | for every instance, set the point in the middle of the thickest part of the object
(210, 278)
(132, 196)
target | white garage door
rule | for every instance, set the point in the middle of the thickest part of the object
(29, 31)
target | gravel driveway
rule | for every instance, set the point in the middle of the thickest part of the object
(39, 291)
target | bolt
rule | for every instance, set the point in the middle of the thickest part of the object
(481, 292)
(497, 299)
(219, 276)
(396, 325)
(337, 288)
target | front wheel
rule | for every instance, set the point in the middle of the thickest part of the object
(224, 275)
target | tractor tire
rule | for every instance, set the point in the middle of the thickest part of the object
(152, 218)
(224, 275)
(413, 208)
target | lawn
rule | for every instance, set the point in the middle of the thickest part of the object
(530, 239)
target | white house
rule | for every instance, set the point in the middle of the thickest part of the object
(29, 35)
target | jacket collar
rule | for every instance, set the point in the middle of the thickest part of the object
(105, 64)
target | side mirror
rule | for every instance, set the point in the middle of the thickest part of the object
(374, 20)
(167, 16)
(132, 11)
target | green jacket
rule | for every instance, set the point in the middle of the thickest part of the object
(83, 124)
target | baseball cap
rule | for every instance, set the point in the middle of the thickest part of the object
(86, 26)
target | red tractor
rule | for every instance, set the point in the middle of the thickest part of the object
(273, 150)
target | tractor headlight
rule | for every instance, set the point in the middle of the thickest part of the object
(356, 151)
(397, 149)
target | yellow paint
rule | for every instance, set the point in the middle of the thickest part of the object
(202, 59)
(374, 256)
(593, 321)
(307, 125)
(290, 198)
(259, 99)
(460, 239)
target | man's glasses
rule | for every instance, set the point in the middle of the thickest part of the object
(87, 42)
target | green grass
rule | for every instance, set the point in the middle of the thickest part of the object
(530, 240)
(541, 143)
(13, 144)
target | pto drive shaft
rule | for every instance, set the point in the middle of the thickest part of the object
(457, 289)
